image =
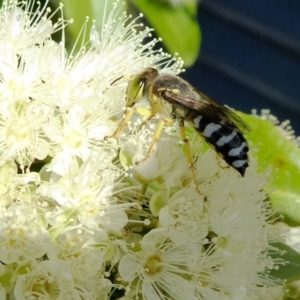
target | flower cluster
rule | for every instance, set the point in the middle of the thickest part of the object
(78, 218)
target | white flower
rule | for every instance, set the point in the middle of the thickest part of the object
(84, 251)
(21, 137)
(74, 134)
(23, 234)
(15, 186)
(53, 280)
(21, 28)
(184, 216)
(21, 39)
(122, 51)
(232, 225)
(160, 270)
(88, 194)
(169, 164)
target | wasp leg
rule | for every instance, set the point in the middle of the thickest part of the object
(144, 122)
(220, 162)
(145, 112)
(156, 137)
(128, 115)
(189, 154)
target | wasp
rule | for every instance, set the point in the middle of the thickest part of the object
(174, 99)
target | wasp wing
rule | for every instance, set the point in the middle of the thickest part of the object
(216, 123)
(211, 109)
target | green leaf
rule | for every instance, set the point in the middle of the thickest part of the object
(78, 12)
(272, 148)
(192, 7)
(289, 271)
(94, 9)
(177, 26)
(102, 9)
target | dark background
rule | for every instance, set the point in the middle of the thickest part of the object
(250, 55)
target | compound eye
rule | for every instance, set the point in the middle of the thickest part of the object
(135, 91)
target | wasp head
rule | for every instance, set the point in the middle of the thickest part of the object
(138, 85)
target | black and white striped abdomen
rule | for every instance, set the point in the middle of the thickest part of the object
(228, 141)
